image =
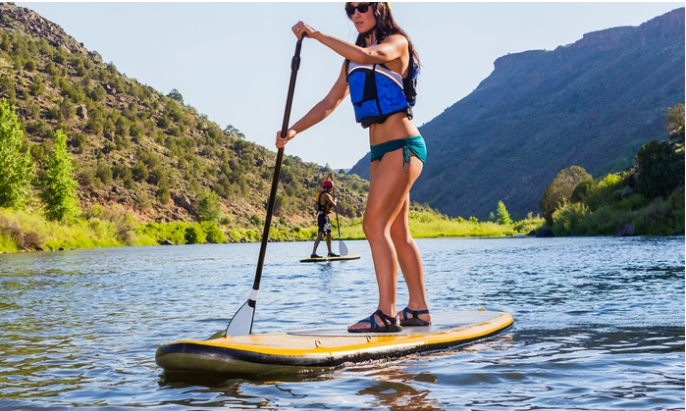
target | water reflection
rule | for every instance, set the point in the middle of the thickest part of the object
(395, 389)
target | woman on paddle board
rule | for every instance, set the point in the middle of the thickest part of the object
(379, 73)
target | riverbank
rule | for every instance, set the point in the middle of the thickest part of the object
(102, 228)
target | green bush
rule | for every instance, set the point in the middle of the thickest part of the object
(98, 93)
(37, 87)
(194, 234)
(570, 219)
(661, 167)
(213, 233)
(140, 171)
(163, 195)
(605, 191)
(560, 190)
(104, 174)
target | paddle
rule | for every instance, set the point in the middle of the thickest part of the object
(342, 249)
(241, 323)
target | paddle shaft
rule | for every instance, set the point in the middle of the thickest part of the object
(241, 323)
(342, 248)
(295, 65)
(338, 224)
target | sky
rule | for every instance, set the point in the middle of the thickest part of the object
(231, 61)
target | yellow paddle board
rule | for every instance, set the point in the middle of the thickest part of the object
(324, 348)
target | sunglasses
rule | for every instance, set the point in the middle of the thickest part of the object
(362, 8)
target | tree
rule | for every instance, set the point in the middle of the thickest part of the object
(661, 169)
(233, 131)
(208, 207)
(675, 124)
(16, 168)
(503, 214)
(560, 190)
(59, 193)
(175, 95)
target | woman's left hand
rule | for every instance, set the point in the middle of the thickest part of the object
(281, 141)
(301, 29)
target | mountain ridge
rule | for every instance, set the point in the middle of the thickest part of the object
(591, 103)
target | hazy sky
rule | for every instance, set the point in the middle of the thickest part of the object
(231, 61)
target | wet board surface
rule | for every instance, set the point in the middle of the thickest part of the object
(325, 259)
(310, 350)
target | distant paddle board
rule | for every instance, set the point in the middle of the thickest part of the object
(324, 348)
(348, 256)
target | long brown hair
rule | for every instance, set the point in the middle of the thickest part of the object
(385, 26)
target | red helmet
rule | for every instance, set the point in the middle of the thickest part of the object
(327, 184)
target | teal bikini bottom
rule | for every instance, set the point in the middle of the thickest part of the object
(414, 145)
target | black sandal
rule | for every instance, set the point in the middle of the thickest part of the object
(414, 321)
(390, 324)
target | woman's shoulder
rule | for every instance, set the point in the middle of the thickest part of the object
(398, 42)
(397, 39)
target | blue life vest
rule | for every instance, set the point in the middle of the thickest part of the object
(377, 92)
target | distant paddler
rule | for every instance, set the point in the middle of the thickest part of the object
(325, 202)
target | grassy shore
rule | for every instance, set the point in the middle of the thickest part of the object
(99, 227)
(425, 224)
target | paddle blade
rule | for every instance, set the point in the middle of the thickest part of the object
(241, 323)
(342, 248)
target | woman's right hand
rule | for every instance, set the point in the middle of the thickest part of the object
(281, 141)
(301, 29)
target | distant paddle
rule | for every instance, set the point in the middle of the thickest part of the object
(342, 248)
(241, 323)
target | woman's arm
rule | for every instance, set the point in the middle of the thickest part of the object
(390, 49)
(326, 106)
(320, 111)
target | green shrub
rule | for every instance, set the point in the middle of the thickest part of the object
(140, 171)
(104, 174)
(194, 234)
(213, 233)
(29, 65)
(560, 190)
(163, 195)
(570, 219)
(661, 167)
(37, 87)
(98, 93)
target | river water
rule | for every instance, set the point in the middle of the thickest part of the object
(599, 325)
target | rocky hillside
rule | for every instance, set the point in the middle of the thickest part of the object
(136, 147)
(592, 103)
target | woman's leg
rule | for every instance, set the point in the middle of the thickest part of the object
(389, 187)
(410, 262)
